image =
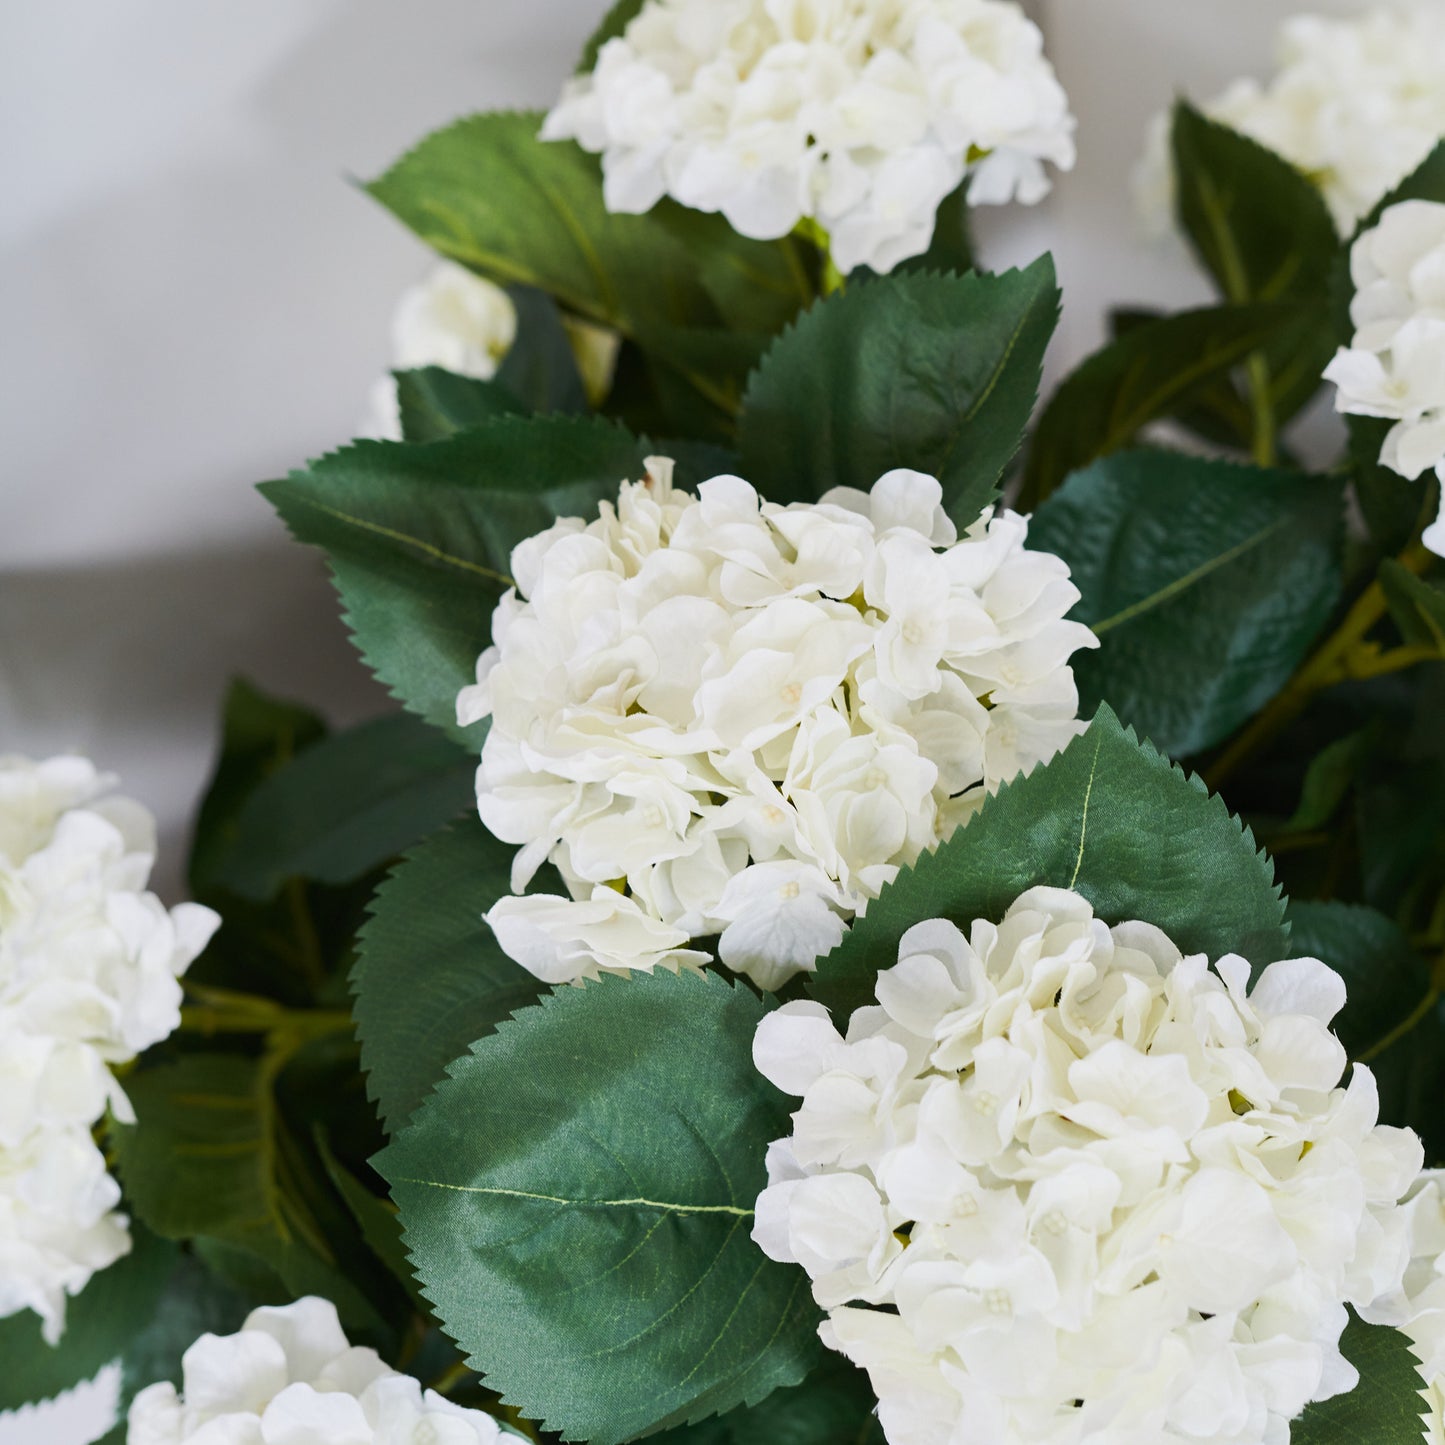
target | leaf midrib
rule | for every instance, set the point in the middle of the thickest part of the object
(1181, 584)
(639, 1203)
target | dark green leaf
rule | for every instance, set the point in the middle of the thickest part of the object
(540, 369)
(435, 404)
(1260, 227)
(1328, 781)
(936, 373)
(1390, 504)
(1107, 817)
(1155, 370)
(347, 805)
(259, 734)
(99, 1322)
(578, 1197)
(378, 1221)
(1417, 606)
(833, 1406)
(1385, 1408)
(194, 1302)
(210, 1156)
(1205, 582)
(420, 537)
(489, 194)
(1385, 977)
(430, 978)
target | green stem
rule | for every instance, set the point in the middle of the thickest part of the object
(1266, 447)
(223, 1011)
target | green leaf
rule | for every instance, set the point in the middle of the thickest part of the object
(1385, 978)
(489, 194)
(210, 1156)
(578, 1197)
(1257, 223)
(1385, 1408)
(1206, 583)
(1154, 370)
(194, 1302)
(1108, 817)
(540, 369)
(99, 1322)
(420, 537)
(435, 404)
(430, 978)
(1391, 505)
(833, 1406)
(614, 23)
(259, 734)
(1417, 606)
(937, 373)
(346, 805)
(1330, 776)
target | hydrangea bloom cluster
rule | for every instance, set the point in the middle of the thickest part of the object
(453, 319)
(89, 963)
(860, 116)
(1356, 104)
(289, 1377)
(1396, 365)
(1064, 1186)
(717, 715)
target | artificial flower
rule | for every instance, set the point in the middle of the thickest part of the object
(1355, 103)
(290, 1377)
(1063, 1185)
(89, 970)
(1395, 367)
(856, 116)
(718, 716)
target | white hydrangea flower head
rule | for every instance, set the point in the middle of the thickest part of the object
(1064, 1186)
(89, 970)
(720, 716)
(1395, 367)
(453, 319)
(289, 1377)
(1355, 103)
(858, 115)
(1417, 1307)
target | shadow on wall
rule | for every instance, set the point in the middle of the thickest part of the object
(129, 663)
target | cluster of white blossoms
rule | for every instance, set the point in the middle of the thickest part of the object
(1063, 1186)
(717, 715)
(860, 116)
(1417, 1307)
(1356, 104)
(1395, 366)
(89, 963)
(289, 1377)
(453, 319)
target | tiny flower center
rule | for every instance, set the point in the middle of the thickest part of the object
(1055, 1222)
(998, 1302)
(875, 778)
(985, 1102)
(967, 1207)
(652, 818)
(912, 633)
(792, 694)
(789, 890)
(424, 1434)
(774, 815)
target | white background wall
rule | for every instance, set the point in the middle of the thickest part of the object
(195, 299)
